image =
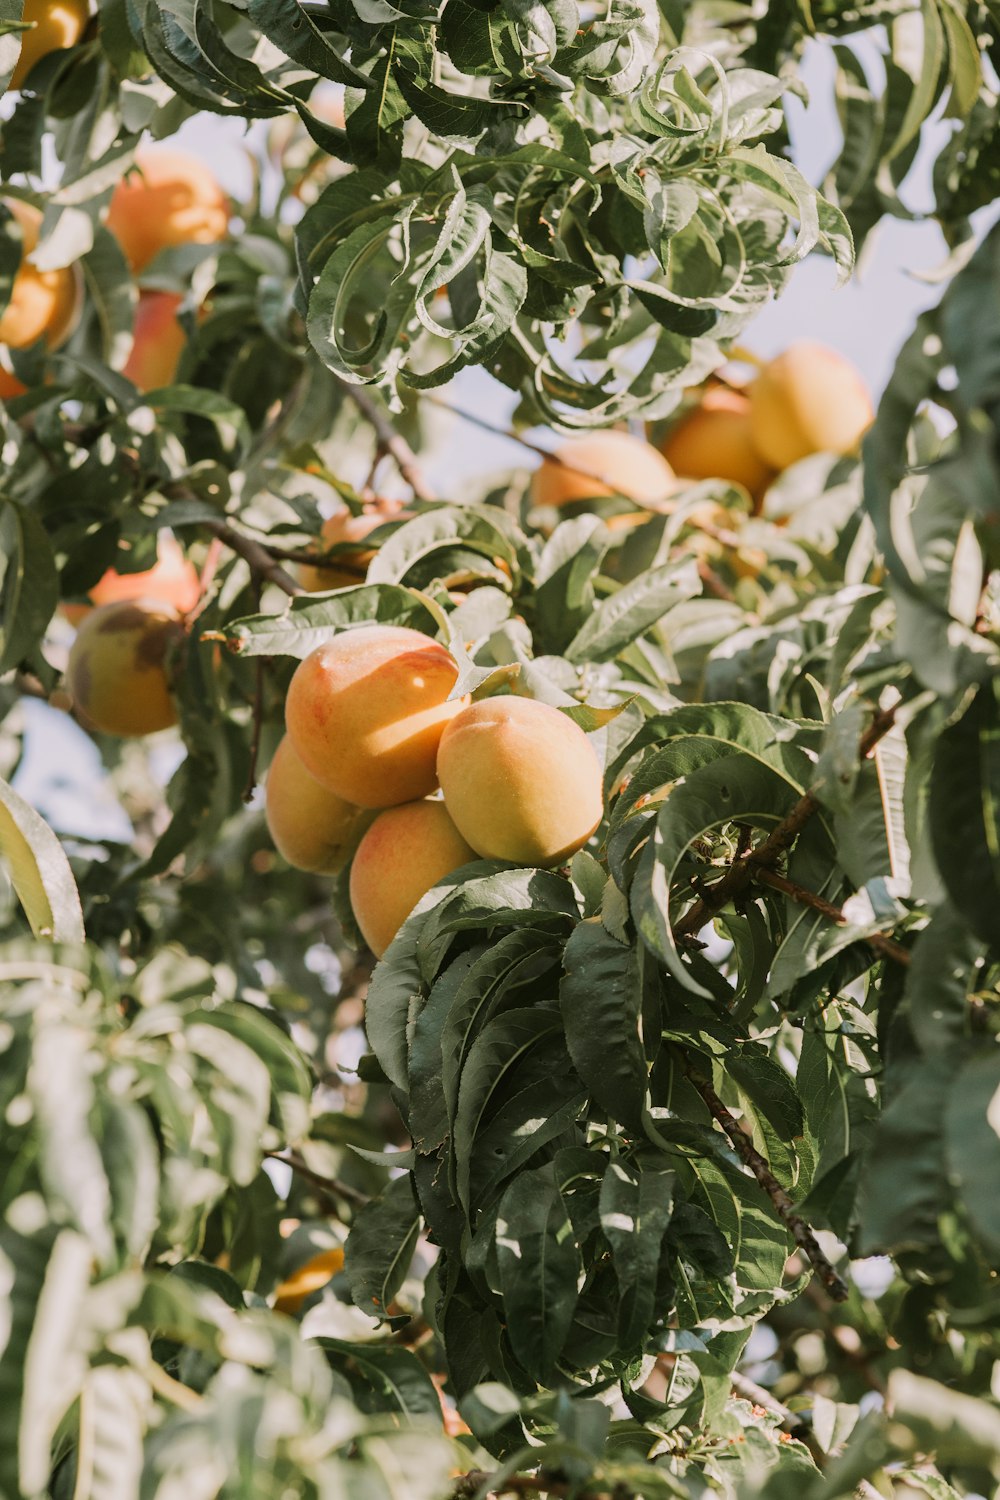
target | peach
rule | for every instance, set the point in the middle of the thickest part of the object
(10, 386)
(307, 1279)
(808, 400)
(366, 710)
(158, 341)
(170, 199)
(344, 527)
(714, 441)
(311, 827)
(55, 24)
(171, 580)
(41, 302)
(117, 671)
(603, 463)
(521, 781)
(405, 851)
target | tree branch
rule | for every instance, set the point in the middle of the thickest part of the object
(739, 874)
(877, 940)
(332, 1186)
(389, 439)
(259, 558)
(783, 1206)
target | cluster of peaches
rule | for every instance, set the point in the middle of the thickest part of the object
(370, 728)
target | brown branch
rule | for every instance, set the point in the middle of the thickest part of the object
(259, 558)
(783, 1206)
(887, 946)
(389, 439)
(741, 872)
(333, 1187)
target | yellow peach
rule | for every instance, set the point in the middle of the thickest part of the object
(41, 302)
(307, 1279)
(366, 710)
(54, 24)
(808, 400)
(311, 827)
(117, 671)
(344, 527)
(713, 441)
(158, 341)
(171, 580)
(521, 781)
(405, 851)
(603, 463)
(170, 199)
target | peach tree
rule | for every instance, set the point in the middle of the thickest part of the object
(670, 1166)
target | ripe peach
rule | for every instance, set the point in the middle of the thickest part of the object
(311, 826)
(41, 302)
(171, 580)
(10, 386)
(521, 780)
(170, 199)
(603, 463)
(345, 527)
(157, 341)
(808, 400)
(713, 441)
(405, 851)
(117, 667)
(307, 1279)
(55, 24)
(366, 710)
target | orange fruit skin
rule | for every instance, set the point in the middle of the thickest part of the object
(810, 399)
(610, 463)
(521, 781)
(405, 851)
(172, 580)
(55, 24)
(42, 303)
(345, 527)
(307, 1279)
(714, 441)
(10, 386)
(158, 341)
(117, 668)
(310, 826)
(366, 710)
(170, 199)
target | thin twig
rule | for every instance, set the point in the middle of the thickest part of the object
(332, 1186)
(740, 873)
(257, 717)
(259, 558)
(877, 940)
(389, 439)
(785, 1209)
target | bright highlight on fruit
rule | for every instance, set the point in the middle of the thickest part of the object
(169, 199)
(407, 850)
(603, 463)
(42, 303)
(808, 400)
(366, 710)
(117, 671)
(521, 781)
(311, 827)
(54, 24)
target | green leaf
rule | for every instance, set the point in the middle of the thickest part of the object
(29, 583)
(629, 613)
(39, 870)
(635, 1206)
(601, 1001)
(380, 1246)
(313, 619)
(972, 1144)
(538, 1263)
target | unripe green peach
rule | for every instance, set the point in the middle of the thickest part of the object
(714, 441)
(808, 400)
(603, 463)
(405, 851)
(117, 667)
(311, 827)
(366, 710)
(521, 781)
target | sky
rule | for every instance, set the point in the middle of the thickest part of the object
(867, 320)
